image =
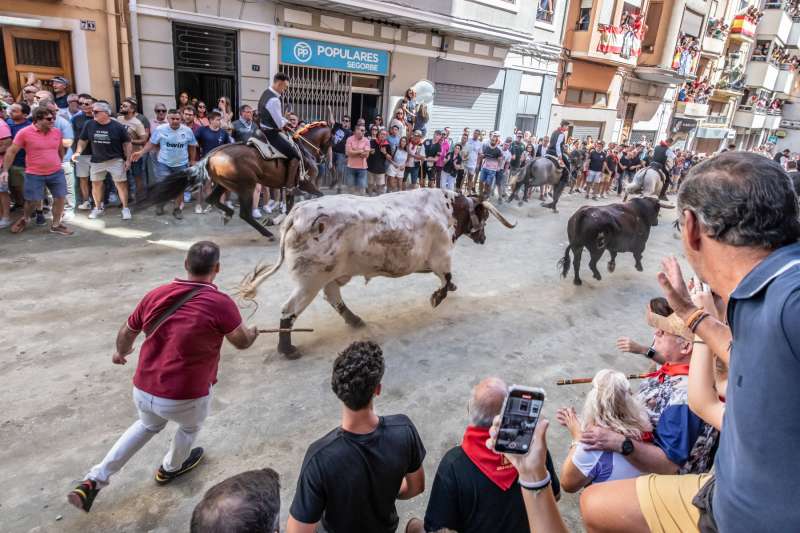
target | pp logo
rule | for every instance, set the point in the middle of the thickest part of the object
(302, 52)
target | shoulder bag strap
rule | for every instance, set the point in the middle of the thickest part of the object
(172, 308)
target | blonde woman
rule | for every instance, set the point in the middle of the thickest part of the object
(610, 404)
(224, 107)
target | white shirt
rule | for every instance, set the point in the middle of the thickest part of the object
(600, 466)
(275, 109)
(473, 148)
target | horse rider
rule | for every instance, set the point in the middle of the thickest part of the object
(272, 123)
(663, 158)
(557, 149)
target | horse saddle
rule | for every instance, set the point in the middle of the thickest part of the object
(265, 149)
(556, 161)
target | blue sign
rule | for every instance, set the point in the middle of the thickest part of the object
(311, 53)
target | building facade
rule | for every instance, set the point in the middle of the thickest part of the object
(356, 57)
(85, 41)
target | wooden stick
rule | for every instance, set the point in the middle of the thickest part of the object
(578, 381)
(286, 330)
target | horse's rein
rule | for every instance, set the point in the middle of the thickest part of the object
(296, 135)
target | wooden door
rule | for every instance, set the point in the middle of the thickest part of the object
(43, 53)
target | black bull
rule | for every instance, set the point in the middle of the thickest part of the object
(616, 228)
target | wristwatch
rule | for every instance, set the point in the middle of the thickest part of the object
(650, 353)
(627, 446)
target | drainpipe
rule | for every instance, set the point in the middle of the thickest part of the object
(113, 53)
(137, 67)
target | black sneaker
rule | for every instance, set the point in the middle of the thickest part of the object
(163, 477)
(40, 221)
(84, 494)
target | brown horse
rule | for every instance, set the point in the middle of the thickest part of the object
(239, 168)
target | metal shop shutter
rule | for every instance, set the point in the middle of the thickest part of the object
(462, 107)
(636, 136)
(582, 130)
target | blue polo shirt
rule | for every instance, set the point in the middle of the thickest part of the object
(756, 464)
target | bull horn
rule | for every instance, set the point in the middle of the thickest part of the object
(493, 210)
(666, 206)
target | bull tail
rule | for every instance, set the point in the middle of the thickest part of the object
(564, 262)
(248, 288)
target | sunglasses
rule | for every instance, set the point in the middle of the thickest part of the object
(30, 92)
(201, 107)
(85, 103)
(49, 119)
(161, 110)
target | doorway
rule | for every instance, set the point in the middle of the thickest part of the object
(205, 63)
(43, 54)
(366, 98)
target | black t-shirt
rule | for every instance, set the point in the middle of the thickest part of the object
(516, 149)
(376, 160)
(611, 164)
(78, 122)
(596, 160)
(795, 175)
(465, 500)
(432, 149)
(340, 135)
(350, 481)
(106, 140)
(450, 163)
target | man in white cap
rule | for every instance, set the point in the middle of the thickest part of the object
(60, 86)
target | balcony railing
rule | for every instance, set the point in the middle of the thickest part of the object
(761, 74)
(776, 23)
(773, 120)
(691, 109)
(749, 117)
(717, 120)
(785, 81)
(686, 56)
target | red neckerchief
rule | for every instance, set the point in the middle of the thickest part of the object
(669, 369)
(494, 465)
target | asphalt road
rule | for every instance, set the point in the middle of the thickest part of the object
(65, 403)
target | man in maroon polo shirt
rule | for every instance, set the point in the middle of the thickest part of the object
(185, 322)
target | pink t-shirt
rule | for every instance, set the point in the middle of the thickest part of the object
(41, 150)
(354, 144)
(5, 131)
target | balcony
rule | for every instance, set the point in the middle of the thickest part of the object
(713, 46)
(785, 82)
(749, 118)
(606, 44)
(773, 120)
(761, 74)
(794, 34)
(743, 29)
(776, 24)
(691, 110)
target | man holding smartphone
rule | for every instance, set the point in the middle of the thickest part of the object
(352, 476)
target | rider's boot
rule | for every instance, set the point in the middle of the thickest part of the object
(293, 173)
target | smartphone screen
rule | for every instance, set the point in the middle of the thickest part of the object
(520, 414)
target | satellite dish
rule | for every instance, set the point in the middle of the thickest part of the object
(424, 90)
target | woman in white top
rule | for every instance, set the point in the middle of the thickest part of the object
(397, 166)
(610, 404)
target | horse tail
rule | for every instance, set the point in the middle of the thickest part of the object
(564, 262)
(173, 185)
(248, 288)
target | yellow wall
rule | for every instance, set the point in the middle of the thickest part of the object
(92, 67)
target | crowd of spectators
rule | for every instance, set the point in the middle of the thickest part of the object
(686, 451)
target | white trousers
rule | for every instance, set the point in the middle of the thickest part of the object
(154, 413)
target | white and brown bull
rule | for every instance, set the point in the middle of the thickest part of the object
(327, 241)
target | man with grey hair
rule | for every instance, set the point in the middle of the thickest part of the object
(738, 215)
(476, 489)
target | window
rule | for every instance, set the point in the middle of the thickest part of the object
(606, 13)
(584, 16)
(531, 84)
(712, 11)
(691, 24)
(586, 97)
(653, 20)
(526, 123)
(545, 10)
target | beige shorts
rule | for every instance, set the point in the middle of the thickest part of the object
(82, 166)
(114, 166)
(666, 501)
(376, 180)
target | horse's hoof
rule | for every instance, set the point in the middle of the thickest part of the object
(436, 298)
(577, 282)
(451, 286)
(597, 276)
(356, 322)
(640, 268)
(290, 352)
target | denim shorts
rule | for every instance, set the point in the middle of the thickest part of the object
(487, 175)
(162, 170)
(413, 173)
(594, 176)
(356, 177)
(33, 190)
(339, 163)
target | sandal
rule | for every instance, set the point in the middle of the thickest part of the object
(20, 225)
(61, 229)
